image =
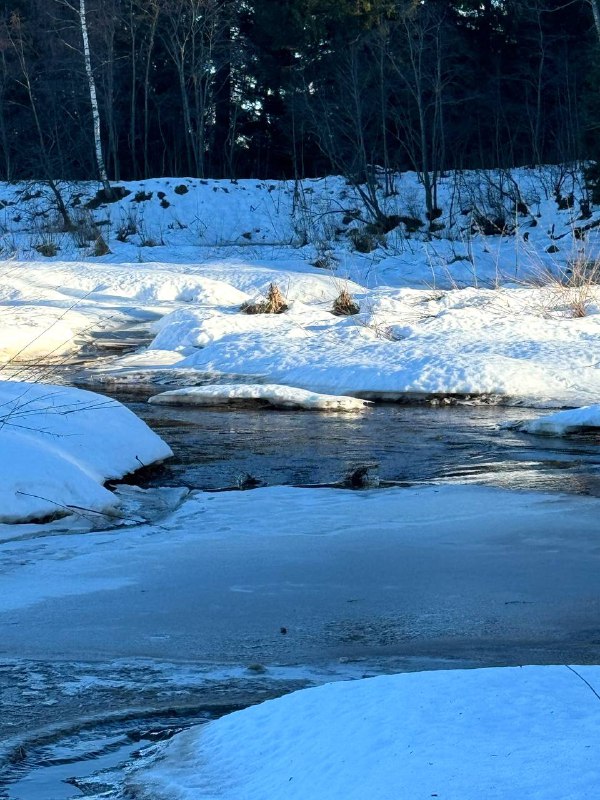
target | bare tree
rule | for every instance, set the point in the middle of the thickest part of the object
(343, 116)
(4, 81)
(16, 37)
(417, 62)
(152, 9)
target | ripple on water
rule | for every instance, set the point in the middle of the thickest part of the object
(219, 447)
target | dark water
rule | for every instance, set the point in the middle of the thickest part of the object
(87, 761)
(219, 448)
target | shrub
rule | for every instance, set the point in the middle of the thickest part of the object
(363, 241)
(564, 202)
(47, 249)
(491, 226)
(411, 224)
(128, 227)
(85, 229)
(383, 225)
(324, 261)
(181, 189)
(142, 197)
(583, 272)
(572, 290)
(345, 305)
(101, 248)
(274, 303)
(521, 208)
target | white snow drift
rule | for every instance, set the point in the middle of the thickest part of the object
(565, 422)
(497, 343)
(274, 395)
(501, 734)
(59, 445)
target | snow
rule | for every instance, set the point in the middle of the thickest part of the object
(59, 445)
(501, 734)
(405, 531)
(448, 313)
(464, 342)
(278, 396)
(565, 422)
(498, 319)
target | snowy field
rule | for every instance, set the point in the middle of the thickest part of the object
(447, 312)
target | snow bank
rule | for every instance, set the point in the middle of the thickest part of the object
(59, 445)
(501, 734)
(501, 344)
(565, 422)
(273, 394)
(220, 244)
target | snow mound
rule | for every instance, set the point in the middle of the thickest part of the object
(59, 445)
(470, 342)
(459, 735)
(271, 393)
(565, 422)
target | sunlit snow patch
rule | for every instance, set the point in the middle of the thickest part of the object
(461, 735)
(271, 393)
(565, 422)
(59, 445)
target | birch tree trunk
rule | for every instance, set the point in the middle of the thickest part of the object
(596, 12)
(93, 101)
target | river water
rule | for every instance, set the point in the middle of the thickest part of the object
(80, 717)
(462, 443)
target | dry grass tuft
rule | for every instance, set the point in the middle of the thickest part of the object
(582, 280)
(574, 289)
(274, 304)
(101, 248)
(345, 305)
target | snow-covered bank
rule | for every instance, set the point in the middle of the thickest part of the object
(59, 445)
(507, 343)
(512, 317)
(501, 734)
(514, 344)
(565, 422)
(498, 343)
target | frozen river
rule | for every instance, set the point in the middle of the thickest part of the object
(228, 599)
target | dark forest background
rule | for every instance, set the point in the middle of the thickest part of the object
(296, 88)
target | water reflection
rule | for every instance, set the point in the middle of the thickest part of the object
(217, 448)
